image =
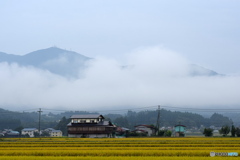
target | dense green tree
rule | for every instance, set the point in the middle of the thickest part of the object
(134, 134)
(19, 129)
(233, 131)
(45, 134)
(224, 130)
(121, 121)
(208, 132)
(164, 133)
(168, 133)
(161, 133)
(238, 132)
(9, 123)
(62, 125)
(219, 120)
(36, 134)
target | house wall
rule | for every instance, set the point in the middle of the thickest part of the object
(55, 134)
(90, 130)
(88, 135)
(179, 129)
(30, 133)
(179, 134)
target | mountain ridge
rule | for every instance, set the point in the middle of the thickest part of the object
(69, 63)
(58, 61)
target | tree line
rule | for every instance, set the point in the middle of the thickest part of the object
(224, 131)
(168, 118)
(18, 120)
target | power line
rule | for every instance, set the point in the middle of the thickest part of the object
(163, 107)
(135, 109)
(204, 108)
(106, 110)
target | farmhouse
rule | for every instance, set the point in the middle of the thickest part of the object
(29, 131)
(179, 130)
(90, 126)
(53, 133)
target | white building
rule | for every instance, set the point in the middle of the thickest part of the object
(54, 133)
(29, 131)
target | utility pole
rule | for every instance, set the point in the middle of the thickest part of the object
(39, 125)
(158, 119)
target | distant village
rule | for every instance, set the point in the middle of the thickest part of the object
(96, 126)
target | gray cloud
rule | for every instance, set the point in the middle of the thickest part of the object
(155, 76)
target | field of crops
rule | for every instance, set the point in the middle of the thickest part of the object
(116, 149)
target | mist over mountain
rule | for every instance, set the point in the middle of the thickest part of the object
(55, 60)
(70, 64)
(196, 70)
(54, 78)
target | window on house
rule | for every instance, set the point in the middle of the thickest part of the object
(83, 120)
(74, 121)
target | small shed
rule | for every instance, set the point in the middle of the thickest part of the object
(179, 130)
(122, 132)
(148, 129)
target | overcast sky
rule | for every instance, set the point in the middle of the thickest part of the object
(159, 37)
(204, 31)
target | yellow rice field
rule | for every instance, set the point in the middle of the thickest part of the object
(116, 149)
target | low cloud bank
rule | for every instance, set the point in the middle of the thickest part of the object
(151, 76)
